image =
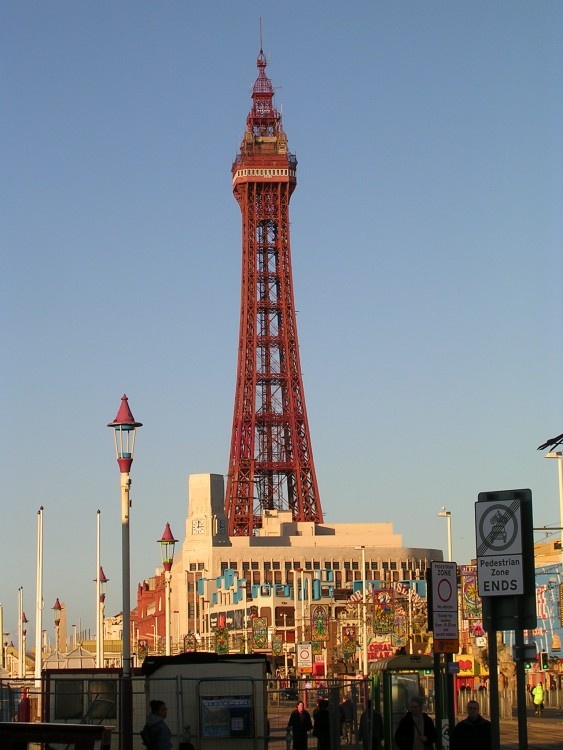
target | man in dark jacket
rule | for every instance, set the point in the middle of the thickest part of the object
(347, 719)
(416, 729)
(321, 725)
(299, 725)
(371, 725)
(472, 732)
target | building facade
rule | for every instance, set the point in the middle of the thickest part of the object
(280, 575)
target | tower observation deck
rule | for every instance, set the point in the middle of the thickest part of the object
(271, 461)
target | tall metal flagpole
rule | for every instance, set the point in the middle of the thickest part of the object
(39, 598)
(98, 594)
(21, 660)
(2, 636)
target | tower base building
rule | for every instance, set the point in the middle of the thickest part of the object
(298, 581)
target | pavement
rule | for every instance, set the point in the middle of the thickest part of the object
(543, 734)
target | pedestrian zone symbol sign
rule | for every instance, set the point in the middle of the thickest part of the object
(499, 548)
(304, 657)
(444, 605)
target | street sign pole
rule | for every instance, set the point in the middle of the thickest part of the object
(506, 577)
(438, 697)
(494, 713)
(521, 690)
(443, 602)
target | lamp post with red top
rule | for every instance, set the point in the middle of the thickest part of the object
(101, 582)
(57, 607)
(124, 430)
(24, 644)
(167, 544)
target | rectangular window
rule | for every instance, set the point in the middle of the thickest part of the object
(69, 699)
(102, 700)
(276, 565)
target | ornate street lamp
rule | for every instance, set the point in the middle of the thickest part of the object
(57, 618)
(24, 643)
(101, 580)
(167, 544)
(124, 429)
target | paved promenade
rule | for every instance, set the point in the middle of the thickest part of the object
(543, 734)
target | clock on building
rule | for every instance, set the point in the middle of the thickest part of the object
(198, 526)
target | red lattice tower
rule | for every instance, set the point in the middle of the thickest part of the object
(271, 462)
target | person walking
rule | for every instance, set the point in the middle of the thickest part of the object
(473, 732)
(299, 725)
(156, 731)
(347, 719)
(416, 730)
(538, 695)
(371, 724)
(321, 725)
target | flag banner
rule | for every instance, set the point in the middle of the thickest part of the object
(349, 641)
(319, 622)
(383, 614)
(259, 632)
(221, 641)
(277, 644)
(470, 601)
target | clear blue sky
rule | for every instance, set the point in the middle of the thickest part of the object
(427, 248)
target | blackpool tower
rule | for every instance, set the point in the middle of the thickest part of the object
(271, 462)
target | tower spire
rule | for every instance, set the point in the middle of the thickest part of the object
(271, 461)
